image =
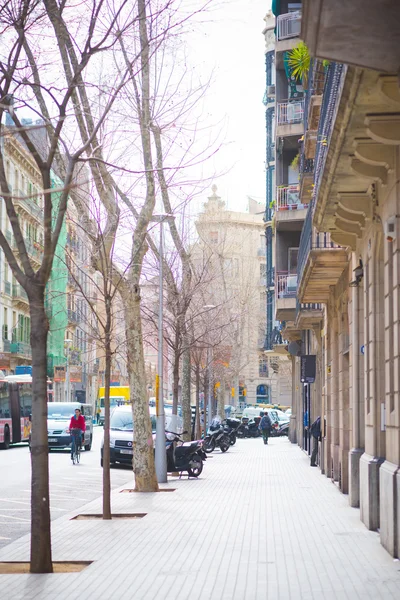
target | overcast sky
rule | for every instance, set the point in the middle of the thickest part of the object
(233, 44)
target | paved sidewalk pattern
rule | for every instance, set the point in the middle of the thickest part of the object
(259, 523)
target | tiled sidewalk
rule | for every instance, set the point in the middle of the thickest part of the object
(260, 523)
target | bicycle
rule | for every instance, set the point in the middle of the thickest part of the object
(76, 445)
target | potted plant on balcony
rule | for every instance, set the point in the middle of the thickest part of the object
(299, 63)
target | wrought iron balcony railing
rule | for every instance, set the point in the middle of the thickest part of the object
(288, 25)
(290, 113)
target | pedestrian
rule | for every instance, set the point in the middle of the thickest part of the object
(265, 426)
(98, 413)
(315, 431)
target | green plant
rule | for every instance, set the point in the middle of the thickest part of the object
(272, 204)
(326, 63)
(299, 62)
(295, 162)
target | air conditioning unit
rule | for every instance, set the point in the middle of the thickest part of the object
(270, 90)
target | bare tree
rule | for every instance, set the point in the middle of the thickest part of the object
(21, 88)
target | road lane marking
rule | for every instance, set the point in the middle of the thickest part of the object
(16, 518)
(14, 501)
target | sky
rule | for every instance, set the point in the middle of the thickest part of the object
(233, 45)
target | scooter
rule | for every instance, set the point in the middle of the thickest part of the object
(216, 436)
(231, 426)
(249, 428)
(187, 456)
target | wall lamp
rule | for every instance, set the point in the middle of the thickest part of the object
(358, 274)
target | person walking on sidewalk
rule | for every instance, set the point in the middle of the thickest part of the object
(265, 426)
(315, 431)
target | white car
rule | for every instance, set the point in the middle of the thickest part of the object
(121, 432)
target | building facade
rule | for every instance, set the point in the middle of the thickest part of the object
(348, 284)
(233, 246)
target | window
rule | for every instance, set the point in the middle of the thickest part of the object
(263, 367)
(228, 268)
(5, 324)
(213, 237)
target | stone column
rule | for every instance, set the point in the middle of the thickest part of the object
(389, 473)
(335, 395)
(372, 458)
(357, 390)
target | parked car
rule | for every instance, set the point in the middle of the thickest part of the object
(121, 432)
(280, 422)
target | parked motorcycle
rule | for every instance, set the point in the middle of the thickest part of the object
(231, 426)
(216, 437)
(249, 428)
(184, 456)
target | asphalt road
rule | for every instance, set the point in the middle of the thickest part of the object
(71, 486)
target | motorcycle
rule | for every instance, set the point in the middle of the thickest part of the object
(216, 436)
(249, 428)
(187, 456)
(231, 426)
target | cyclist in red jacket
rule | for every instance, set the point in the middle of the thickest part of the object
(77, 422)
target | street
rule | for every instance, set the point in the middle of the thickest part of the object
(70, 486)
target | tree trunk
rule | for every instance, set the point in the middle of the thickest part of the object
(143, 452)
(197, 421)
(175, 383)
(106, 448)
(221, 398)
(41, 559)
(186, 409)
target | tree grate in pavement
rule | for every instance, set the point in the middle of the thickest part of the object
(84, 517)
(132, 491)
(68, 566)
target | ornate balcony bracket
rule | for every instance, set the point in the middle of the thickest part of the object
(376, 154)
(359, 203)
(384, 128)
(344, 239)
(388, 86)
(348, 227)
(368, 171)
(350, 217)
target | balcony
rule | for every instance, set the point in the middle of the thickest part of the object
(306, 170)
(20, 348)
(34, 250)
(289, 118)
(285, 296)
(27, 206)
(365, 34)
(288, 206)
(73, 316)
(19, 296)
(308, 315)
(321, 263)
(287, 31)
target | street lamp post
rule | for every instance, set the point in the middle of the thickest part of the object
(160, 453)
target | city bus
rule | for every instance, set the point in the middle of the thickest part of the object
(16, 408)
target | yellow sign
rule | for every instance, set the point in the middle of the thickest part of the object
(157, 395)
(233, 392)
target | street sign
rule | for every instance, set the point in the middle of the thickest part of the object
(59, 374)
(75, 374)
(308, 364)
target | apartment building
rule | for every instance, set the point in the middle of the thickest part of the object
(347, 287)
(24, 181)
(232, 246)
